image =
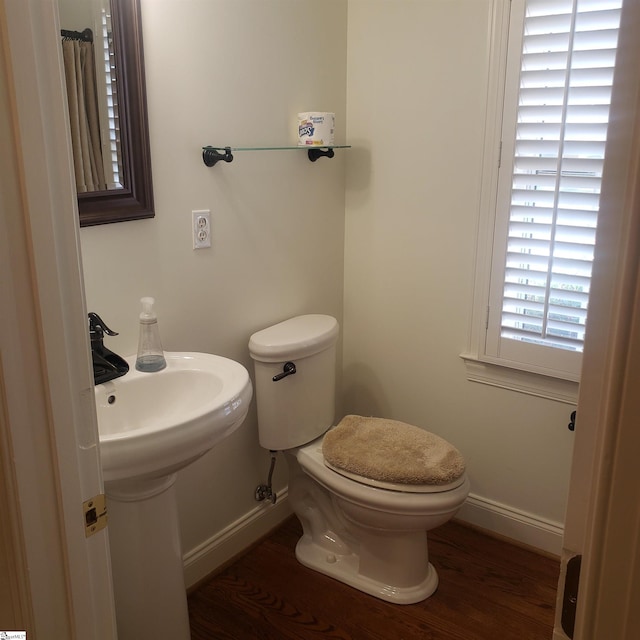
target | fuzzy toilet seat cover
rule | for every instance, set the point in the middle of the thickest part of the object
(391, 451)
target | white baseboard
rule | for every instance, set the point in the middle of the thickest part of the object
(486, 514)
(512, 523)
(234, 539)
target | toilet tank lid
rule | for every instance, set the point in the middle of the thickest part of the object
(294, 338)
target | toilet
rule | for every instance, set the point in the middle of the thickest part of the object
(366, 490)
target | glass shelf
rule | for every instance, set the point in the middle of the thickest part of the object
(211, 155)
(307, 147)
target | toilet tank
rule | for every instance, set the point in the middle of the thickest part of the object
(299, 407)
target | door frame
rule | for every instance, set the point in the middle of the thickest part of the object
(48, 430)
(602, 523)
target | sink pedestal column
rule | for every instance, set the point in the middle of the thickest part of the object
(146, 559)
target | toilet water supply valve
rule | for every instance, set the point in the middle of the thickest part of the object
(264, 491)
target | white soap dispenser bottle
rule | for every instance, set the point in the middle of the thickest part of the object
(150, 354)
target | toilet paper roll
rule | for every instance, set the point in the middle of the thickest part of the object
(316, 128)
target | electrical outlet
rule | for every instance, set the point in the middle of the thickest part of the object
(201, 229)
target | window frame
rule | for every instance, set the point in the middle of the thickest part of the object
(548, 374)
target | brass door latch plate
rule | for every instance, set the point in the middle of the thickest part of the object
(95, 514)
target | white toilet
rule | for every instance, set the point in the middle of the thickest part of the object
(368, 532)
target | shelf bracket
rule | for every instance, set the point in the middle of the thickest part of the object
(211, 156)
(318, 152)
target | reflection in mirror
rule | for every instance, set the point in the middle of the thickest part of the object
(104, 73)
(93, 108)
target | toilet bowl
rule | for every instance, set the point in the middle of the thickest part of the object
(367, 531)
(371, 538)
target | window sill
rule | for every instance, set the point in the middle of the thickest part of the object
(533, 384)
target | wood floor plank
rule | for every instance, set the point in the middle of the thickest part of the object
(489, 590)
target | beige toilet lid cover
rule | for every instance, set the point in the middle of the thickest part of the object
(391, 451)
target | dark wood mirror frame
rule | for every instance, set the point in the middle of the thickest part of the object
(135, 200)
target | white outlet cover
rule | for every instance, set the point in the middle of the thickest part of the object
(201, 227)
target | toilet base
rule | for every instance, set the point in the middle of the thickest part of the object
(344, 567)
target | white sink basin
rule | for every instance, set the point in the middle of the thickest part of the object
(153, 424)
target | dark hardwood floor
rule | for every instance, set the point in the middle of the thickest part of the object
(489, 590)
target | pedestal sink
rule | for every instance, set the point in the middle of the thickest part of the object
(151, 425)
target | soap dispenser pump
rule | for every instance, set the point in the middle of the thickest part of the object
(150, 354)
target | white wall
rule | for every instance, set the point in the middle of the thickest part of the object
(416, 92)
(75, 16)
(237, 72)
(230, 72)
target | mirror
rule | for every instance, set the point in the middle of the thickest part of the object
(130, 197)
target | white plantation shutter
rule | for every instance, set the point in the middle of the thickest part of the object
(553, 145)
(112, 133)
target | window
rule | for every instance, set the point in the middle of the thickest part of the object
(556, 92)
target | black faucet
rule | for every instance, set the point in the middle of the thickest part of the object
(106, 364)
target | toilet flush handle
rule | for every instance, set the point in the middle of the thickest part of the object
(288, 370)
